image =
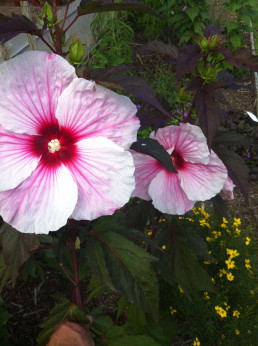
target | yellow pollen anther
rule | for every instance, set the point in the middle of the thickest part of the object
(54, 145)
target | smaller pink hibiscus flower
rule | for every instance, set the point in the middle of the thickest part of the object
(63, 145)
(201, 174)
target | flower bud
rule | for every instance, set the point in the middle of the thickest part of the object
(76, 52)
(209, 74)
(48, 13)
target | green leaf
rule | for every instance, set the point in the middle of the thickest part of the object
(17, 249)
(95, 288)
(116, 336)
(192, 12)
(232, 25)
(164, 331)
(180, 263)
(95, 6)
(135, 323)
(122, 306)
(129, 267)
(236, 40)
(97, 262)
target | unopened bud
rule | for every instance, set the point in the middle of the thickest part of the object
(48, 13)
(209, 74)
(76, 52)
(183, 95)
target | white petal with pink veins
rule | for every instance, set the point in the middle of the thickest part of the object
(30, 85)
(167, 194)
(103, 172)
(89, 110)
(42, 203)
(201, 182)
(146, 168)
(188, 140)
(17, 161)
(228, 190)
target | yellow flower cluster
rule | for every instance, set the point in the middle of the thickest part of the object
(172, 311)
(232, 253)
(230, 263)
(230, 276)
(247, 240)
(162, 220)
(221, 311)
(149, 233)
(225, 223)
(236, 313)
(180, 289)
(247, 264)
(196, 342)
(206, 296)
(237, 222)
(237, 332)
(163, 247)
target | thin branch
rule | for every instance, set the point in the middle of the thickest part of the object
(71, 23)
(47, 44)
(66, 274)
(65, 15)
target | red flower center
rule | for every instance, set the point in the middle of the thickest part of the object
(55, 144)
(177, 159)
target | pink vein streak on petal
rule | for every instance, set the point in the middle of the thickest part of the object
(201, 182)
(167, 194)
(17, 160)
(89, 110)
(103, 172)
(29, 89)
(43, 202)
(146, 168)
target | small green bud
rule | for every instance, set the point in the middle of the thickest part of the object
(209, 74)
(76, 52)
(204, 44)
(183, 95)
(47, 12)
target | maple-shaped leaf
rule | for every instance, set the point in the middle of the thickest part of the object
(17, 248)
(208, 111)
(160, 47)
(240, 57)
(187, 60)
(15, 25)
(95, 6)
(137, 86)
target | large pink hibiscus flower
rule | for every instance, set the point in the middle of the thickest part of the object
(63, 145)
(201, 174)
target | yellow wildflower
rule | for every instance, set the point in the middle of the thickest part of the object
(213, 280)
(230, 263)
(249, 331)
(247, 240)
(236, 313)
(237, 232)
(149, 233)
(172, 311)
(208, 239)
(224, 220)
(237, 222)
(196, 342)
(163, 247)
(230, 276)
(252, 292)
(232, 253)
(180, 289)
(247, 264)
(221, 311)
(237, 332)
(206, 296)
(221, 272)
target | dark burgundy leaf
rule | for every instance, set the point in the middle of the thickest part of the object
(237, 169)
(154, 118)
(160, 48)
(229, 138)
(15, 25)
(94, 6)
(211, 30)
(136, 86)
(152, 148)
(208, 111)
(220, 205)
(187, 60)
(240, 57)
(229, 81)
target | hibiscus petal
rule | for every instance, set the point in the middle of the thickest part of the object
(228, 190)
(89, 110)
(30, 85)
(43, 202)
(17, 160)
(146, 168)
(188, 140)
(104, 175)
(167, 194)
(201, 182)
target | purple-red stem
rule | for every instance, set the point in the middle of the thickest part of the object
(71, 23)
(46, 43)
(75, 266)
(66, 274)
(48, 247)
(57, 31)
(65, 15)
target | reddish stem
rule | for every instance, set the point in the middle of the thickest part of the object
(67, 275)
(48, 247)
(71, 23)
(65, 15)
(57, 31)
(46, 43)
(75, 267)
